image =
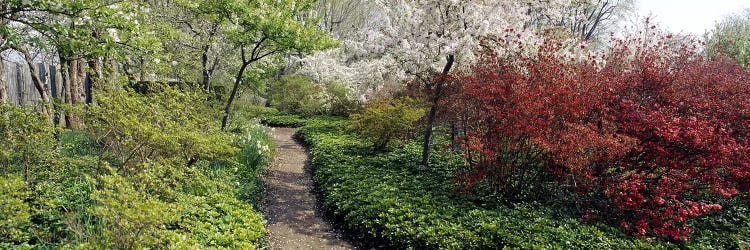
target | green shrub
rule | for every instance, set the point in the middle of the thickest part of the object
(131, 219)
(297, 94)
(246, 113)
(178, 182)
(15, 217)
(292, 121)
(170, 124)
(220, 221)
(386, 120)
(340, 100)
(26, 141)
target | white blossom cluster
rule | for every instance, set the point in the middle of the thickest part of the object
(411, 39)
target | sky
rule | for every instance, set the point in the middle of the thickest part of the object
(690, 16)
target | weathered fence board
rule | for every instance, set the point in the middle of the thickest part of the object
(20, 88)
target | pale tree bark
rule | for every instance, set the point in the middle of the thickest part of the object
(3, 82)
(3, 47)
(80, 78)
(72, 92)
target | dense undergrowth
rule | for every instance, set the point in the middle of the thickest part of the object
(148, 171)
(388, 195)
(282, 120)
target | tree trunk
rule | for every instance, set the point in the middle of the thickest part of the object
(437, 94)
(46, 104)
(204, 64)
(80, 83)
(68, 78)
(3, 82)
(3, 42)
(237, 82)
(454, 134)
(96, 73)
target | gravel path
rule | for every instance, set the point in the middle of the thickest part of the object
(294, 221)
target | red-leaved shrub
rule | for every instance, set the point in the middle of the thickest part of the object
(650, 127)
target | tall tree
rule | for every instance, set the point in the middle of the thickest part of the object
(194, 38)
(731, 37)
(444, 36)
(588, 20)
(264, 28)
(343, 18)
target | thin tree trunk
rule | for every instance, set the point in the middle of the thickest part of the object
(454, 134)
(3, 47)
(237, 82)
(433, 111)
(3, 82)
(204, 64)
(46, 107)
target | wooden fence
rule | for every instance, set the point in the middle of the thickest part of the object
(20, 88)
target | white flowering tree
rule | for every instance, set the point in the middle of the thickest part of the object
(421, 40)
(424, 40)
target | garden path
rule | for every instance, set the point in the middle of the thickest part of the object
(293, 219)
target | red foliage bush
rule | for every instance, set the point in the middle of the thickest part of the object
(650, 126)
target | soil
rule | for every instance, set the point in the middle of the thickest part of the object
(294, 218)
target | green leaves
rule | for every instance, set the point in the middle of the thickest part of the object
(220, 221)
(380, 196)
(273, 25)
(132, 220)
(296, 94)
(731, 37)
(387, 120)
(25, 140)
(14, 212)
(169, 124)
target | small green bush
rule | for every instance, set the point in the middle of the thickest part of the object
(220, 221)
(292, 121)
(340, 100)
(386, 120)
(296, 94)
(26, 141)
(179, 126)
(247, 113)
(131, 220)
(15, 217)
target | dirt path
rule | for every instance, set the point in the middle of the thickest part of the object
(294, 221)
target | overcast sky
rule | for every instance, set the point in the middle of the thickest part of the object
(690, 16)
